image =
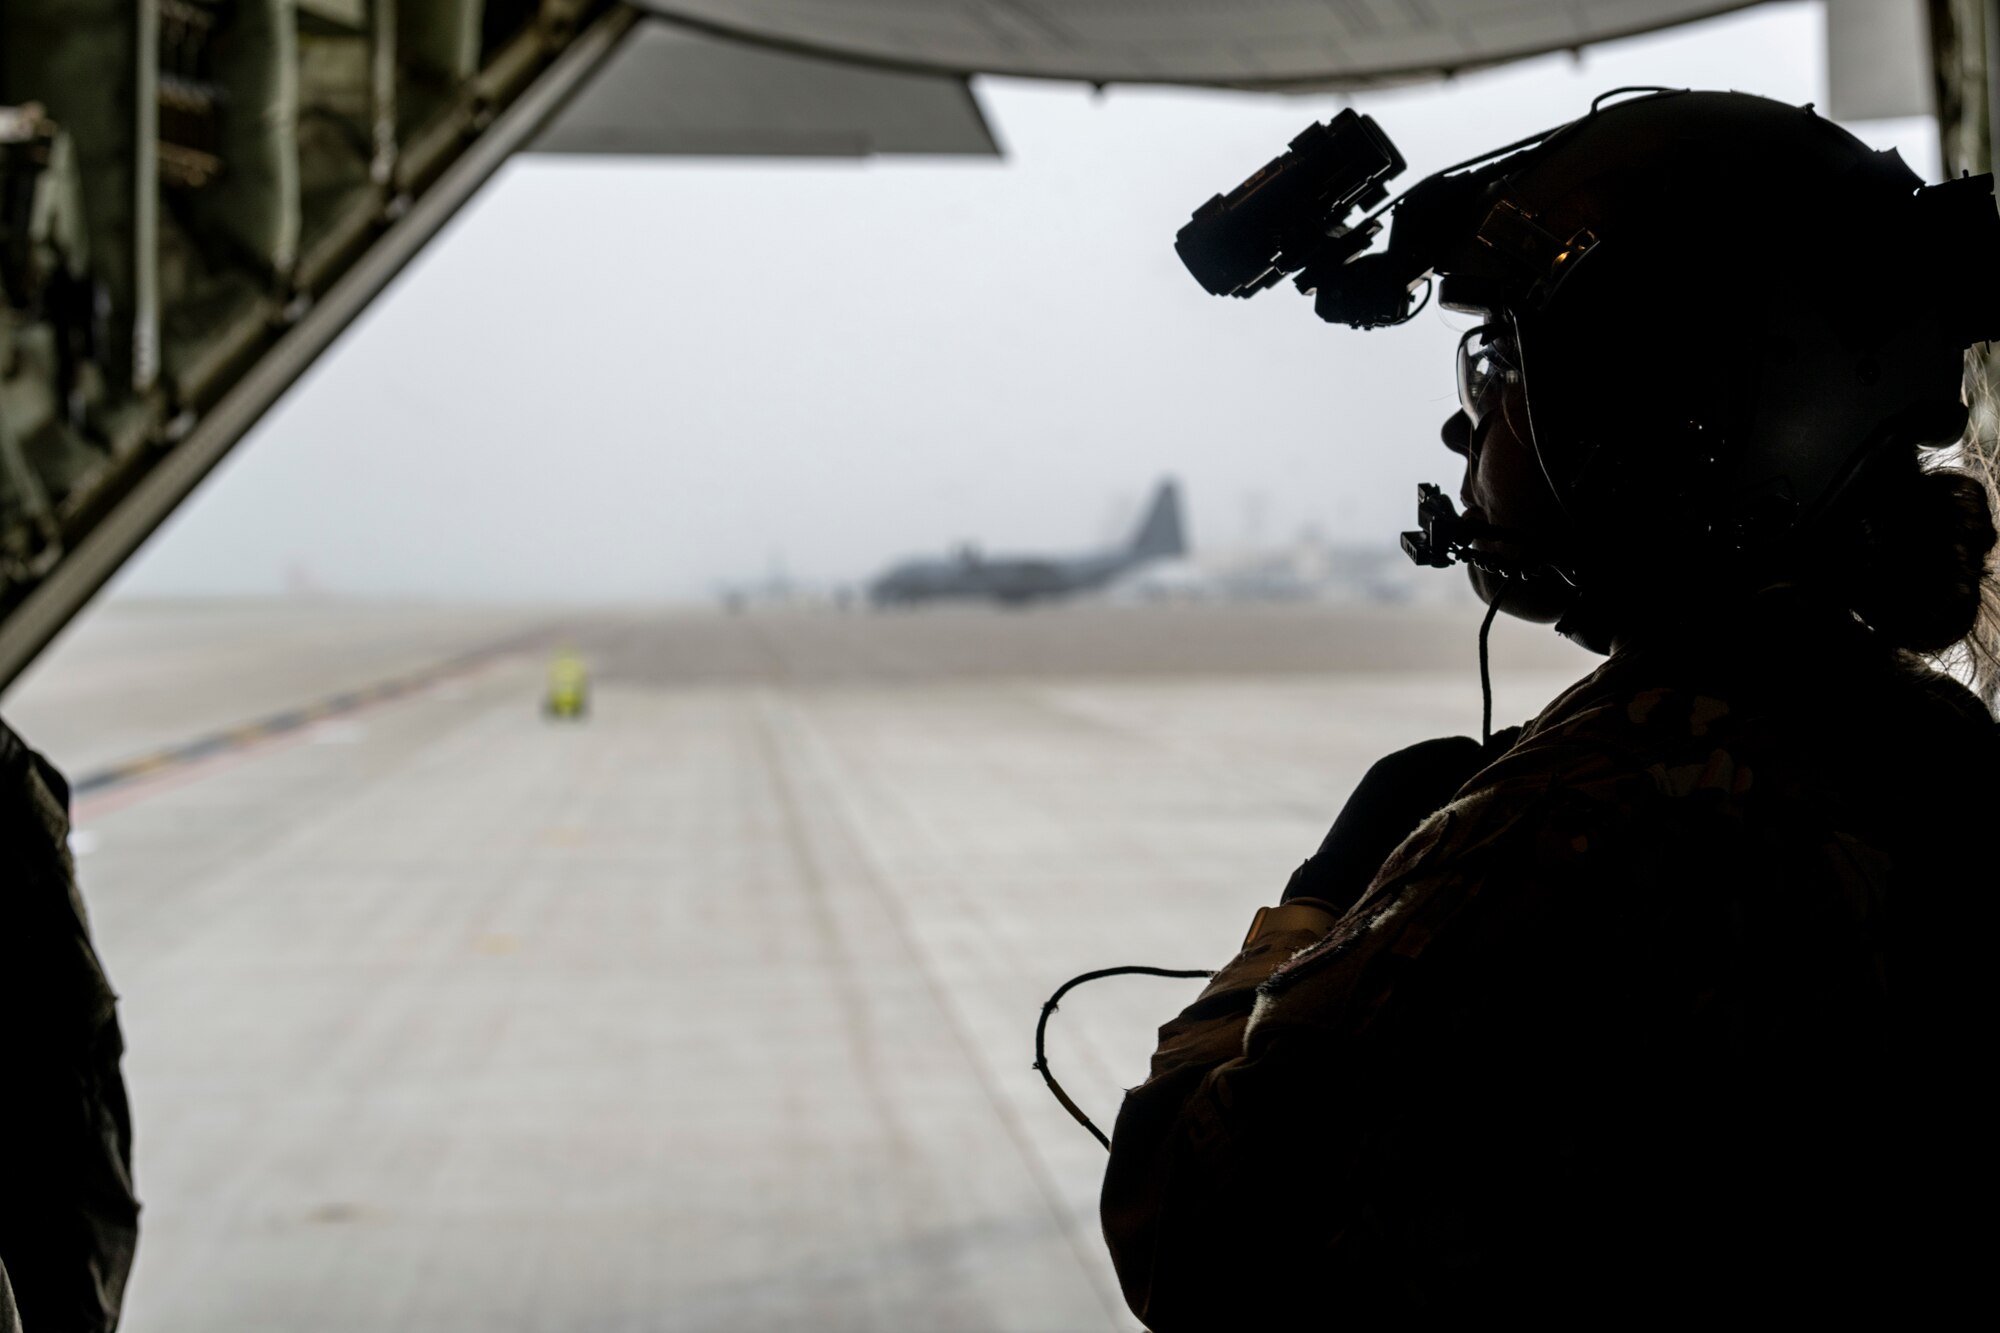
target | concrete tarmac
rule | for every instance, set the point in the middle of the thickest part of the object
(713, 1010)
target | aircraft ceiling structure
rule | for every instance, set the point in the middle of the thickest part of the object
(671, 91)
(198, 196)
(1289, 44)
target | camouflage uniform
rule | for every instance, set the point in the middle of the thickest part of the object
(1672, 1009)
(68, 1220)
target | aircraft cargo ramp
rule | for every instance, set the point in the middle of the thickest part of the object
(711, 1011)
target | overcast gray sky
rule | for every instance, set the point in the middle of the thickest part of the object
(636, 380)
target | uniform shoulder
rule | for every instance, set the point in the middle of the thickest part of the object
(1589, 785)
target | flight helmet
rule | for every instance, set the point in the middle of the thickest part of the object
(1720, 309)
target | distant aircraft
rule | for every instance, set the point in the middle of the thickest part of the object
(1015, 580)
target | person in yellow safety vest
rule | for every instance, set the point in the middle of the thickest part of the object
(569, 686)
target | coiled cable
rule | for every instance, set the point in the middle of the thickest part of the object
(1042, 1028)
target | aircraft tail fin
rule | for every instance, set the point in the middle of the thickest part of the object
(1161, 536)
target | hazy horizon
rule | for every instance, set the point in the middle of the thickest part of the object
(640, 381)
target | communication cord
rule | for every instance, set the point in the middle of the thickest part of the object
(1486, 666)
(1042, 1027)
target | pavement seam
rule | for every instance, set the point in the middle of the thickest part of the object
(1003, 1107)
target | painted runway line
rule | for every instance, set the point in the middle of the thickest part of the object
(200, 751)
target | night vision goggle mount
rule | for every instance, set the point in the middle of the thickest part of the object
(1291, 217)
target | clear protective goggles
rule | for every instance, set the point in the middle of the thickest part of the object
(1487, 362)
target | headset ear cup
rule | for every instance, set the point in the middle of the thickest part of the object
(1654, 487)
